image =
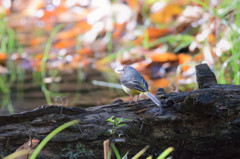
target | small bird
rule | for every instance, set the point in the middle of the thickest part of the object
(133, 83)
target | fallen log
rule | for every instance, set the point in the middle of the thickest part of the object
(202, 123)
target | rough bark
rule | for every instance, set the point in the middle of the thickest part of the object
(203, 123)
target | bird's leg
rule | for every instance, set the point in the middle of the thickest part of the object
(137, 98)
(132, 99)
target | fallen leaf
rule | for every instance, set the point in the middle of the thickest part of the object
(163, 57)
(155, 32)
(3, 56)
(211, 38)
(118, 30)
(65, 43)
(80, 28)
(185, 68)
(132, 3)
(166, 14)
(199, 57)
(160, 83)
(38, 56)
(30, 145)
(182, 58)
(85, 51)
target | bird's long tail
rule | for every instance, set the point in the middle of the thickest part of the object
(153, 98)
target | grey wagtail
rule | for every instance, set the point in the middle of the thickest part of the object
(133, 83)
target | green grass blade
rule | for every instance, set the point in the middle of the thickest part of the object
(165, 153)
(141, 152)
(47, 49)
(115, 151)
(51, 135)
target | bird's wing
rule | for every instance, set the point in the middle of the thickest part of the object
(144, 83)
(133, 84)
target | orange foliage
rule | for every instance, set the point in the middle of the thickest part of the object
(37, 40)
(34, 41)
(118, 30)
(155, 32)
(132, 3)
(38, 56)
(141, 65)
(58, 10)
(139, 41)
(85, 51)
(3, 56)
(167, 14)
(65, 44)
(211, 38)
(182, 58)
(185, 68)
(161, 83)
(163, 57)
(36, 65)
(199, 57)
(81, 27)
(76, 58)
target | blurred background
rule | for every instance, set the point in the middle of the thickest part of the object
(66, 52)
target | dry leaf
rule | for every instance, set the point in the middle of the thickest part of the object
(30, 145)
(3, 56)
(166, 14)
(163, 57)
(160, 83)
(182, 58)
(80, 28)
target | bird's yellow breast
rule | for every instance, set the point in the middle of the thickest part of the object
(131, 91)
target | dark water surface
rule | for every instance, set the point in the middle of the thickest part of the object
(70, 92)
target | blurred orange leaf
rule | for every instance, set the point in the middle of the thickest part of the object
(118, 30)
(3, 56)
(38, 56)
(81, 27)
(36, 64)
(199, 57)
(182, 58)
(166, 14)
(65, 44)
(162, 82)
(163, 57)
(155, 32)
(211, 38)
(139, 66)
(56, 11)
(85, 51)
(37, 40)
(132, 3)
(185, 68)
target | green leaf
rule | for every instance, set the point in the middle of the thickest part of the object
(121, 125)
(115, 123)
(110, 119)
(119, 119)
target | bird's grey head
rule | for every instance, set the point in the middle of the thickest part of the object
(127, 68)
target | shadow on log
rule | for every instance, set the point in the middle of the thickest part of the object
(202, 123)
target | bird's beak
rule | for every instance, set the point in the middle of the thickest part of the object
(120, 70)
